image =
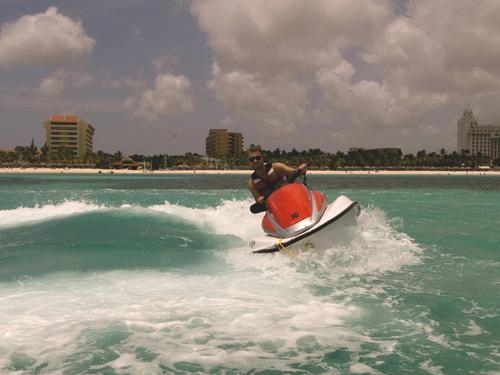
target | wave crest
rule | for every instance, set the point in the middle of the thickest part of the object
(30, 215)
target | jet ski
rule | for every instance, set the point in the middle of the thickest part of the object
(298, 219)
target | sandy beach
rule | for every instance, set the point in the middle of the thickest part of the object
(228, 172)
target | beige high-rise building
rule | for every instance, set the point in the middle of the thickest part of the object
(475, 138)
(69, 132)
(221, 143)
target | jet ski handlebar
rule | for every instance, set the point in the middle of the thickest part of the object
(296, 175)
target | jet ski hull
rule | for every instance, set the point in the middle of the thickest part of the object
(338, 217)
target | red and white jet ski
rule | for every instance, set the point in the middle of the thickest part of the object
(299, 219)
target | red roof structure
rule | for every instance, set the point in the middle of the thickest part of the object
(64, 118)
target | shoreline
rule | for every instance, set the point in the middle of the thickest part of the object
(239, 172)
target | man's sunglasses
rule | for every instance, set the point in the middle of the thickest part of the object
(255, 158)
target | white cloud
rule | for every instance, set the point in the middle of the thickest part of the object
(169, 96)
(444, 46)
(52, 86)
(275, 104)
(48, 38)
(439, 53)
(374, 104)
(266, 53)
(57, 81)
(137, 85)
(164, 63)
(271, 58)
(287, 35)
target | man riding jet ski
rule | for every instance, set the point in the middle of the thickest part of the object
(267, 177)
(296, 218)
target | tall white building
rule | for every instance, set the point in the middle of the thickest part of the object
(495, 147)
(475, 138)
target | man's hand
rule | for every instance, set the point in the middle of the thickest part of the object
(261, 200)
(303, 168)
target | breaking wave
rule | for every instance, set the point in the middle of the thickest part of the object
(260, 312)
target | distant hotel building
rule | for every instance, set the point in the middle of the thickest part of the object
(475, 138)
(220, 143)
(69, 132)
(495, 147)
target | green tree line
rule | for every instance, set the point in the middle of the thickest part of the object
(316, 159)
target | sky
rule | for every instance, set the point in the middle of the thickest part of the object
(154, 76)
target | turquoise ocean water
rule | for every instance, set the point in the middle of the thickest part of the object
(148, 274)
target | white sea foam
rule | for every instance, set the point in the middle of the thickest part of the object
(376, 246)
(361, 368)
(433, 370)
(230, 217)
(473, 329)
(259, 314)
(29, 215)
(240, 319)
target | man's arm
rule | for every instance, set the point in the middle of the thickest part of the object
(259, 198)
(284, 170)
